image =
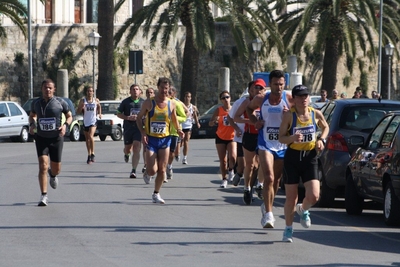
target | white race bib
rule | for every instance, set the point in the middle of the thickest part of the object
(47, 124)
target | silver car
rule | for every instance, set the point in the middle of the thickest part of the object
(14, 121)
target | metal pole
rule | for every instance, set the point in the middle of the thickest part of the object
(389, 74)
(380, 47)
(256, 61)
(30, 72)
(94, 77)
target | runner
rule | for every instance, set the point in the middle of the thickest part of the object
(90, 108)
(128, 111)
(149, 94)
(46, 118)
(160, 113)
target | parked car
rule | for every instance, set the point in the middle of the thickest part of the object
(314, 103)
(74, 129)
(346, 118)
(14, 122)
(205, 130)
(109, 124)
(374, 170)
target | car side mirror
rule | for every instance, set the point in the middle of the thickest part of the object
(2, 115)
(356, 140)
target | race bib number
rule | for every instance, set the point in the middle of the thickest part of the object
(272, 133)
(225, 121)
(158, 127)
(90, 107)
(47, 124)
(308, 133)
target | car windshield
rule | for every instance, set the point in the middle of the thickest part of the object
(109, 108)
(362, 118)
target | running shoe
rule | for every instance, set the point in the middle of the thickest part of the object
(236, 179)
(44, 200)
(288, 235)
(305, 219)
(224, 183)
(247, 198)
(146, 178)
(177, 158)
(169, 173)
(92, 158)
(157, 198)
(133, 175)
(126, 158)
(184, 161)
(267, 220)
(53, 180)
(259, 191)
(231, 174)
(88, 161)
(144, 169)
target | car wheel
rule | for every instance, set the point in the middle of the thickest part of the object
(391, 207)
(326, 194)
(102, 137)
(353, 202)
(24, 135)
(74, 135)
(117, 136)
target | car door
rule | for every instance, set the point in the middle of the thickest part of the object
(384, 154)
(18, 119)
(5, 128)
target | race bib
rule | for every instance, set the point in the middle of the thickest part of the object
(308, 133)
(134, 111)
(157, 127)
(90, 107)
(47, 124)
(272, 133)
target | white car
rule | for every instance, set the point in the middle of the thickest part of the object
(14, 122)
(110, 124)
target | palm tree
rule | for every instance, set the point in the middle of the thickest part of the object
(341, 28)
(16, 11)
(162, 17)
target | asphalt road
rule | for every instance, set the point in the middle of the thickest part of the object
(99, 217)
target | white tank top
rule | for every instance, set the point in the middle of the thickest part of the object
(272, 115)
(89, 114)
(190, 119)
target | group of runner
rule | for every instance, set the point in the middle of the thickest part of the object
(269, 135)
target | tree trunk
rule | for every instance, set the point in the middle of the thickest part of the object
(105, 85)
(331, 59)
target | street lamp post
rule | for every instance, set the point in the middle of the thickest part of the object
(94, 38)
(389, 52)
(256, 48)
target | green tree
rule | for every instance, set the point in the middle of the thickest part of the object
(341, 27)
(246, 18)
(15, 11)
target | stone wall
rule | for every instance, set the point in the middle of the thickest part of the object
(50, 41)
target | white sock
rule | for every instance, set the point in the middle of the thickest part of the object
(184, 157)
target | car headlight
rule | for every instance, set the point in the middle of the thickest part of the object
(107, 122)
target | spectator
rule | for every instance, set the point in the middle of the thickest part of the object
(323, 98)
(343, 95)
(375, 95)
(335, 94)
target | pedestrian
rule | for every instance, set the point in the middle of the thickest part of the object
(224, 138)
(250, 141)
(324, 95)
(335, 94)
(343, 95)
(160, 113)
(128, 110)
(181, 115)
(91, 108)
(149, 94)
(299, 132)
(187, 125)
(46, 118)
(375, 95)
(270, 150)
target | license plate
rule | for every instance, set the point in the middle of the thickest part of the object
(202, 132)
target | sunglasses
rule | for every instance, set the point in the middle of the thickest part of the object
(259, 87)
(225, 97)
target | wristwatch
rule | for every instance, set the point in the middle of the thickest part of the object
(323, 140)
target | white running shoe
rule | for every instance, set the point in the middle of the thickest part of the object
(268, 220)
(146, 178)
(231, 174)
(184, 161)
(169, 173)
(53, 180)
(305, 219)
(44, 200)
(224, 183)
(157, 198)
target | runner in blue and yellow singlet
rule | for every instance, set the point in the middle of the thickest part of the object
(160, 113)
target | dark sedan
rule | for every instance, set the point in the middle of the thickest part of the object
(205, 130)
(374, 170)
(346, 117)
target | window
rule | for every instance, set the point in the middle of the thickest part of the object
(378, 132)
(15, 111)
(3, 110)
(92, 14)
(390, 132)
